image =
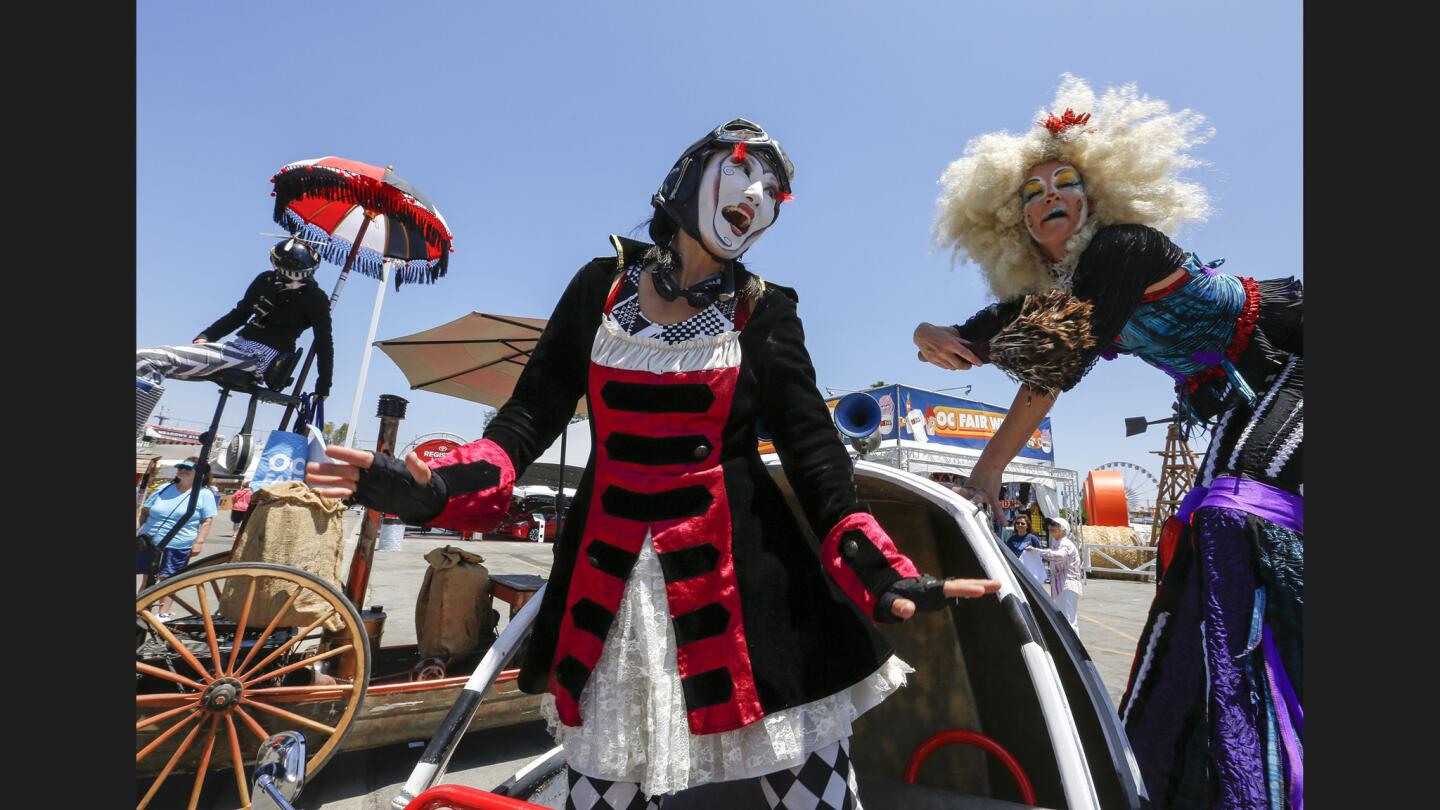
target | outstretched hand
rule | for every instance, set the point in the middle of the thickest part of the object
(340, 480)
(924, 589)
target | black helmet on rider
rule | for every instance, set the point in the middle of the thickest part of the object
(293, 259)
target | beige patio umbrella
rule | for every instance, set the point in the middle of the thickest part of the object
(477, 357)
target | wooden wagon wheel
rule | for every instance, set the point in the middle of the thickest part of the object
(218, 558)
(302, 664)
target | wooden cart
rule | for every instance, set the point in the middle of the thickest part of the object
(207, 694)
(286, 650)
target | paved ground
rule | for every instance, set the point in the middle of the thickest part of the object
(1112, 614)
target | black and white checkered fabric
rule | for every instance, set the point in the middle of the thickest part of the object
(713, 320)
(586, 793)
(824, 782)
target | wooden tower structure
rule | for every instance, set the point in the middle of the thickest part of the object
(1178, 468)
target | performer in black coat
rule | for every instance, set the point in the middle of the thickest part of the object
(689, 632)
(278, 306)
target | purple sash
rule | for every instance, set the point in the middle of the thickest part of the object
(1192, 500)
(1262, 500)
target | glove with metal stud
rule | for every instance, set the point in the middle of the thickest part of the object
(468, 489)
(927, 592)
(882, 582)
(387, 485)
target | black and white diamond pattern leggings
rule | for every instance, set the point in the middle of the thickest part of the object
(825, 781)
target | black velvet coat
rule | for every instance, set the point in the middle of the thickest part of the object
(805, 639)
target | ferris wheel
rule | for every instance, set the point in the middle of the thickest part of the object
(1141, 488)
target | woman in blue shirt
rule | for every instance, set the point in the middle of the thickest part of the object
(160, 512)
(1020, 538)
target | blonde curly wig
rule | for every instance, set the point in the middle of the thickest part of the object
(1128, 153)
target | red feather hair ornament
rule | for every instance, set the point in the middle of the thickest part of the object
(1065, 121)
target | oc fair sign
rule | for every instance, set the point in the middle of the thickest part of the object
(930, 417)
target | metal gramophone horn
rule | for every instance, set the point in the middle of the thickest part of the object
(858, 417)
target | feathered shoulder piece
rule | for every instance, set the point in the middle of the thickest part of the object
(1048, 346)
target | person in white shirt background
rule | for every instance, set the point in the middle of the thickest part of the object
(1067, 577)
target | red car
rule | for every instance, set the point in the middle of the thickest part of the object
(531, 518)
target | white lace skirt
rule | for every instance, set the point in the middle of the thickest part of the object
(633, 721)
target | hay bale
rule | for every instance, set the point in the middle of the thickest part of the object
(1115, 536)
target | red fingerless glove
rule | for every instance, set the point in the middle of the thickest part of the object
(478, 480)
(862, 560)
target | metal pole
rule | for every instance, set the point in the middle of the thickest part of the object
(391, 411)
(431, 767)
(334, 297)
(365, 357)
(560, 495)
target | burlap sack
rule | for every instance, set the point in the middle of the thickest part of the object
(291, 525)
(452, 612)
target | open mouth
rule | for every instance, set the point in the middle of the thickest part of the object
(739, 216)
(1056, 213)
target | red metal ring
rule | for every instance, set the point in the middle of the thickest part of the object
(975, 738)
(459, 797)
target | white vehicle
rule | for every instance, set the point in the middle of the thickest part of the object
(1005, 672)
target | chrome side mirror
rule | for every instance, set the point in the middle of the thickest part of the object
(279, 772)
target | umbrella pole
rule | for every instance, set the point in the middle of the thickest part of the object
(351, 436)
(334, 297)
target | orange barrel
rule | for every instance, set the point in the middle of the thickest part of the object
(1104, 494)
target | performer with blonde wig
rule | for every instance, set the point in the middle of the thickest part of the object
(1130, 165)
(1068, 221)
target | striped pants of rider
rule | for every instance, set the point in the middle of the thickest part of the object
(183, 362)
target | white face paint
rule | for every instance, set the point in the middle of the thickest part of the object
(1054, 202)
(737, 203)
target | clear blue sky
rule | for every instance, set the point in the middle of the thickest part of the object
(539, 128)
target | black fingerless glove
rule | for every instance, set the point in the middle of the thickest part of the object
(389, 487)
(927, 592)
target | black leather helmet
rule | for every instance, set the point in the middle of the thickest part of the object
(677, 194)
(294, 259)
